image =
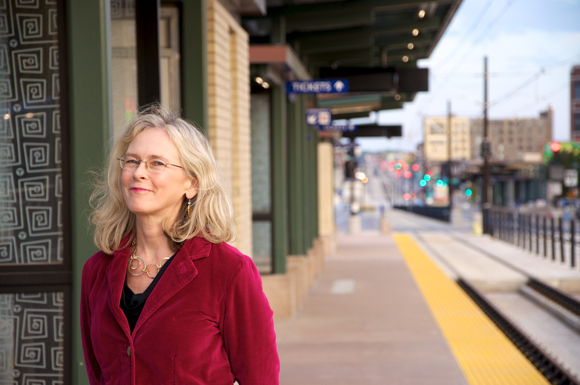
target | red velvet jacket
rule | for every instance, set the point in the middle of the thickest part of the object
(206, 322)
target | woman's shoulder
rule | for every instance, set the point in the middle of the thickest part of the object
(229, 258)
(100, 260)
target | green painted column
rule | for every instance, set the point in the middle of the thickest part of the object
(315, 184)
(295, 176)
(279, 180)
(89, 132)
(194, 62)
(306, 168)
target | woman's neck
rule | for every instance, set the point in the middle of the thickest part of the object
(152, 243)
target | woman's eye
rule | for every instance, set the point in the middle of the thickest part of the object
(131, 161)
(158, 163)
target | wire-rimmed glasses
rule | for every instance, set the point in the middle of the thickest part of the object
(153, 165)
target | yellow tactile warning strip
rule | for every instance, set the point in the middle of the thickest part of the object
(484, 353)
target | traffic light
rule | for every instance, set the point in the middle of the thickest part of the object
(555, 146)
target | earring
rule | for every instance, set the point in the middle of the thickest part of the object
(189, 207)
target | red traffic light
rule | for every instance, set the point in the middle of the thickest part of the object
(555, 146)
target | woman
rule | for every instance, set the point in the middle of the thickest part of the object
(166, 300)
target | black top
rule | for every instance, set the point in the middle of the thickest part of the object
(132, 304)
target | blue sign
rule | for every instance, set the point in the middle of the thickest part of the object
(339, 128)
(320, 86)
(318, 116)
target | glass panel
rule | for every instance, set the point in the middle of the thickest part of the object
(30, 134)
(123, 62)
(32, 338)
(260, 115)
(262, 243)
(170, 63)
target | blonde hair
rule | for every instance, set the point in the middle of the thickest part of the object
(211, 214)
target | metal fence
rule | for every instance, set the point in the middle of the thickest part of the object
(540, 233)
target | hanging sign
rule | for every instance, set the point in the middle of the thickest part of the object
(339, 128)
(320, 86)
(318, 116)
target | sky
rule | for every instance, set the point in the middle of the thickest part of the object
(531, 46)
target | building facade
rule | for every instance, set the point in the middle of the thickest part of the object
(436, 138)
(514, 140)
(575, 104)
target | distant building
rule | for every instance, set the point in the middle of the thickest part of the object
(513, 140)
(435, 138)
(575, 104)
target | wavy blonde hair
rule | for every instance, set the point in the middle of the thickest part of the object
(211, 215)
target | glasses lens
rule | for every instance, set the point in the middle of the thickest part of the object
(156, 165)
(129, 163)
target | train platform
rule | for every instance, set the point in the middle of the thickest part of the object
(387, 310)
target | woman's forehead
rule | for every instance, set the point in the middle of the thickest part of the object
(152, 141)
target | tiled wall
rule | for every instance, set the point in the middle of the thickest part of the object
(229, 113)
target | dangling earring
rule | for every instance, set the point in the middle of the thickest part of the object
(189, 207)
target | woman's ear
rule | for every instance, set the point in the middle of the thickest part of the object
(192, 190)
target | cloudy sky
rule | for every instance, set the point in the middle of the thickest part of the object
(531, 47)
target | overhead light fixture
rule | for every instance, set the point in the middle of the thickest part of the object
(259, 80)
(265, 85)
(397, 97)
(421, 13)
(415, 32)
(410, 45)
(405, 59)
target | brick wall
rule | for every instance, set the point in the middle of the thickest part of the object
(229, 113)
(325, 189)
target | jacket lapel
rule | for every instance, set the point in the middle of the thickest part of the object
(179, 273)
(116, 274)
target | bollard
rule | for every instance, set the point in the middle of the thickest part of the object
(573, 243)
(561, 233)
(545, 237)
(553, 239)
(530, 232)
(538, 234)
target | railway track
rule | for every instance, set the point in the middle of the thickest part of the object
(545, 361)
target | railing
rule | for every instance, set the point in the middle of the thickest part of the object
(540, 233)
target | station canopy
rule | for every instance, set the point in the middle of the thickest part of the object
(375, 42)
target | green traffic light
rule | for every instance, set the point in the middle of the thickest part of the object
(468, 192)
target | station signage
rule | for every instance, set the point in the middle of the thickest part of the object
(318, 116)
(320, 86)
(339, 128)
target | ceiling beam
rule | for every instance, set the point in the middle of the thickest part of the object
(331, 20)
(348, 6)
(330, 44)
(374, 30)
(359, 55)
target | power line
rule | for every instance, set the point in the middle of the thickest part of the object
(455, 50)
(476, 43)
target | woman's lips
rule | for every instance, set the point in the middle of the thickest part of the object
(139, 190)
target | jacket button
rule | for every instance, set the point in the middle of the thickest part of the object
(129, 351)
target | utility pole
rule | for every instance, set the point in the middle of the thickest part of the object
(449, 157)
(486, 153)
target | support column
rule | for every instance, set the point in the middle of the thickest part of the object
(295, 177)
(306, 191)
(194, 59)
(87, 24)
(279, 181)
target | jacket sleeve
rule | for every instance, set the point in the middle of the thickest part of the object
(93, 368)
(248, 329)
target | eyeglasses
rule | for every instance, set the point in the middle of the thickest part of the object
(153, 165)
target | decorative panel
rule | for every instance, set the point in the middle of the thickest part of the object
(32, 339)
(30, 134)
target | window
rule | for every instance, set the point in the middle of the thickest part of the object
(576, 122)
(577, 90)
